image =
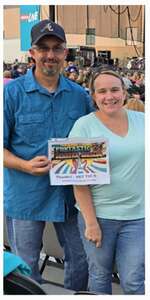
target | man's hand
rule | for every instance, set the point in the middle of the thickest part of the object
(37, 166)
(93, 233)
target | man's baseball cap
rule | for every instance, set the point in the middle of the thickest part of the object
(46, 28)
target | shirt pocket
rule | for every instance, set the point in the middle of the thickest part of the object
(33, 127)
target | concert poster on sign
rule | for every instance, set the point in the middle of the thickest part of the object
(76, 161)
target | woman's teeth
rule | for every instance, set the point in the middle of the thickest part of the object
(110, 102)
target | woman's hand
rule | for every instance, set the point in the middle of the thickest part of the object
(84, 199)
(93, 233)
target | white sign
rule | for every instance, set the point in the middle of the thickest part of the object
(76, 161)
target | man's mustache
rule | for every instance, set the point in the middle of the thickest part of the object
(50, 61)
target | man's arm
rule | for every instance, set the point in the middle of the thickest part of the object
(84, 199)
(39, 165)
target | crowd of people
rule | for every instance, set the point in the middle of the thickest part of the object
(134, 80)
(95, 225)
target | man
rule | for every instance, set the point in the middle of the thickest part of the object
(71, 67)
(40, 105)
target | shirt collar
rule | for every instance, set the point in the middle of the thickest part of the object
(31, 84)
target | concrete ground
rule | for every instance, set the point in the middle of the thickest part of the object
(55, 274)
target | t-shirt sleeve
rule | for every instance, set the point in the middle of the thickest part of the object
(78, 130)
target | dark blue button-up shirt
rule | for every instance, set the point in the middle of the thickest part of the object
(32, 115)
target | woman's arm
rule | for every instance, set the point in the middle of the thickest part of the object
(84, 199)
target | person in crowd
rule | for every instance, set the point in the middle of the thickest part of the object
(140, 80)
(40, 105)
(111, 217)
(85, 84)
(134, 77)
(80, 77)
(134, 92)
(134, 101)
(14, 72)
(127, 81)
(73, 75)
(22, 69)
(71, 67)
(7, 76)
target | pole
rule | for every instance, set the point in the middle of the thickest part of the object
(87, 15)
(52, 12)
(118, 21)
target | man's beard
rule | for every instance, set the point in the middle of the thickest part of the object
(51, 71)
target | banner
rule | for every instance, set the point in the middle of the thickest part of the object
(79, 161)
(29, 16)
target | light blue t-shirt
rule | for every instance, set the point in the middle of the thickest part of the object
(123, 198)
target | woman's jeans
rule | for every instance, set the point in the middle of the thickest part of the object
(122, 244)
(25, 238)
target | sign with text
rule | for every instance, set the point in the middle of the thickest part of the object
(29, 16)
(76, 161)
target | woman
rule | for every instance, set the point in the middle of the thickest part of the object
(111, 218)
